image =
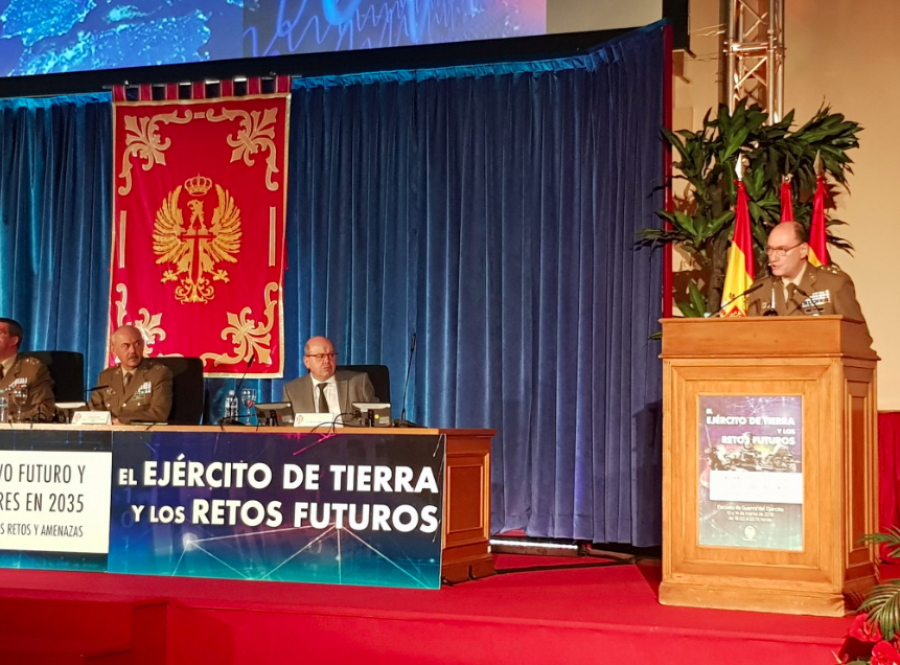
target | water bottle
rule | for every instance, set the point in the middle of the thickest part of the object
(4, 408)
(231, 406)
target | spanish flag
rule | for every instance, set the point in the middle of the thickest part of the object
(739, 275)
(818, 239)
(787, 201)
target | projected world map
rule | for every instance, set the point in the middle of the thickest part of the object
(53, 36)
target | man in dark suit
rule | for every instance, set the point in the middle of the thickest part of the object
(324, 389)
(795, 287)
(137, 389)
(23, 376)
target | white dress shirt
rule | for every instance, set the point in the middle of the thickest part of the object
(331, 395)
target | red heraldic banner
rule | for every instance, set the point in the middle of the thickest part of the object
(198, 229)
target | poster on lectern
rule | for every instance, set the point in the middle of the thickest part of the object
(751, 471)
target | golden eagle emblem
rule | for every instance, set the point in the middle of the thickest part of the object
(196, 249)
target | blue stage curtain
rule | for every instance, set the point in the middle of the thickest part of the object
(491, 210)
(56, 221)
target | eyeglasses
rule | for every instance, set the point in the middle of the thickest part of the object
(321, 357)
(780, 252)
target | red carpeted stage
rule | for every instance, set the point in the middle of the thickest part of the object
(535, 610)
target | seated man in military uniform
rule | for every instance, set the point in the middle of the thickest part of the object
(795, 287)
(138, 389)
(26, 382)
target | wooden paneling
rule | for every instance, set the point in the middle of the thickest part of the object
(467, 510)
(826, 361)
(465, 482)
(769, 337)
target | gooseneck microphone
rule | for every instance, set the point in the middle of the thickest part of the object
(412, 351)
(237, 391)
(721, 309)
(403, 422)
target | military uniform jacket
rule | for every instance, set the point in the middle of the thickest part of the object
(33, 374)
(821, 292)
(147, 398)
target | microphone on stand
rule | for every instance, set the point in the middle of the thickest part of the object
(753, 288)
(246, 371)
(403, 422)
(237, 391)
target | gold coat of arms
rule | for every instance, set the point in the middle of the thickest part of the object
(195, 249)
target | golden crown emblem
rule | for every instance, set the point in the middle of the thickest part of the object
(194, 249)
(198, 185)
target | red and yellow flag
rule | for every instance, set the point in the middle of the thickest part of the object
(818, 239)
(787, 201)
(739, 275)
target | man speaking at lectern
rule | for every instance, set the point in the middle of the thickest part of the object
(324, 389)
(796, 287)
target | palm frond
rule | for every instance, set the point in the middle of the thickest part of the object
(882, 608)
(891, 537)
(702, 224)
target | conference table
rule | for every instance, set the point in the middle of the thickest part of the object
(467, 472)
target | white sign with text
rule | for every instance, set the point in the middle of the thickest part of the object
(55, 501)
(81, 418)
(749, 486)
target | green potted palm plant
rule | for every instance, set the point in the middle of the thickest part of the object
(703, 221)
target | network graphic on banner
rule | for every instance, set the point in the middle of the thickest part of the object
(325, 508)
(339, 509)
(337, 544)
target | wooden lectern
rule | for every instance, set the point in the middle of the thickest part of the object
(759, 514)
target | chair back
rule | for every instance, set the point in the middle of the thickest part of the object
(379, 375)
(67, 371)
(187, 389)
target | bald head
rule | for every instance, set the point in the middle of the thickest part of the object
(791, 232)
(320, 358)
(787, 249)
(127, 345)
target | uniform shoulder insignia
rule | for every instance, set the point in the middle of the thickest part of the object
(833, 269)
(31, 361)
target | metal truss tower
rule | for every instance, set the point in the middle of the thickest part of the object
(754, 54)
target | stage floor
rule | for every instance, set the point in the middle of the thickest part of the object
(535, 610)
